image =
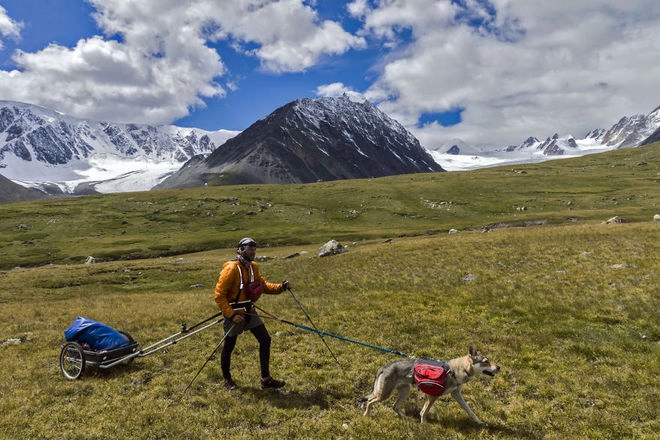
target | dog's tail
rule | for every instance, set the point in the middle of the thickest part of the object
(363, 399)
(373, 393)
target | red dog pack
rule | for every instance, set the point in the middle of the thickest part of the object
(431, 376)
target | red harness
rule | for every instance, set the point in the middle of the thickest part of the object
(254, 289)
(431, 376)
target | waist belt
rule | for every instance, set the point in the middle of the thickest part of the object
(245, 306)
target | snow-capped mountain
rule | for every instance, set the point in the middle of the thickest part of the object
(627, 132)
(305, 140)
(309, 140)
(631, 132)
(655, 137)
(41, 147)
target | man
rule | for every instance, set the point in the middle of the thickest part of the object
(240, 284)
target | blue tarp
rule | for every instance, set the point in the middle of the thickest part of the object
(98, 335)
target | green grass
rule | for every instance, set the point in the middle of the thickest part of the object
(569, 310)
(163, 223)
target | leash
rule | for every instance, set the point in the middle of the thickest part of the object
(211, 356)
(332, 335)
(316, 330)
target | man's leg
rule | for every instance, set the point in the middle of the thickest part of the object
(264, 339)
(225, 361)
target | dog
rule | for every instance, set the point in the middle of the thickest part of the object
(399, 375)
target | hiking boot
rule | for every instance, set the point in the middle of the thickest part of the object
(230, 384)
(271, 383)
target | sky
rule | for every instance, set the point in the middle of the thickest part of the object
(490, 73)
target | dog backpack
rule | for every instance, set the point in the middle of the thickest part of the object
(431, 376)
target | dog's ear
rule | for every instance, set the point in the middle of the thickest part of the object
(472, 351)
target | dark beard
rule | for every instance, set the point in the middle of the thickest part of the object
(245, 261)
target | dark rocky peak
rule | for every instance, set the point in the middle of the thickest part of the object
(309, 140)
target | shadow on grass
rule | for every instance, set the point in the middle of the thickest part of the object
(123, 369)
(468, 427)
(287, 399)
(463, 423)
(504, 430)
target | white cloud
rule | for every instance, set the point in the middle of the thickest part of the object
(154, 60)
(289, 35)
(8, 28)
(516, 67)
(529, 69)
(291, 54)
(333, 90)
(338, 89)
(151, 67)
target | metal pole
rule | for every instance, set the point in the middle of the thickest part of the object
(313, 325)
(212, 354)
(174, 339)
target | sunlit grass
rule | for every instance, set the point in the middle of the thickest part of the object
(163, 223)
(569, 310)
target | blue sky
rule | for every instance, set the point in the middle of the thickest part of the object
(490, 73)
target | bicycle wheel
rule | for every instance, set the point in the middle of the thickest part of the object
(72, 360)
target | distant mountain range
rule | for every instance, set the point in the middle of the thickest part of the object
(306, 140)
(58, 154)
(627, 132)
(303, 141)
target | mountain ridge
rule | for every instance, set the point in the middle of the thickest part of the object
(41, 147)
(61, 155)
(309, 140)
(627, 132)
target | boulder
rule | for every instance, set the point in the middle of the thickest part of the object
(332, 247)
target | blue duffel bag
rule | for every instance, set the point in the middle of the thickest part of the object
(97, 335)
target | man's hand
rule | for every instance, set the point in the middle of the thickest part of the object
(237, 319)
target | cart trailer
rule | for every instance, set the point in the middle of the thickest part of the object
(94, 344)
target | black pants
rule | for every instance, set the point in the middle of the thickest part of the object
(262, 336)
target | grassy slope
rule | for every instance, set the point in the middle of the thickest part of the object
(157, 223)
(570, 310)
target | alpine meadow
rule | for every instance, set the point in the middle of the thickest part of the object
(520, 262)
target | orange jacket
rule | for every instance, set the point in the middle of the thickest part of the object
(228, 288)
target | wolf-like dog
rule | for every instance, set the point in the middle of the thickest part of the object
(399, 375)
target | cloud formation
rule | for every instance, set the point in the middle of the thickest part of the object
(517, 68)
(155, 60)
(512, 68)
(8, 28)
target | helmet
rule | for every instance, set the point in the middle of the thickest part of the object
(244, 243)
